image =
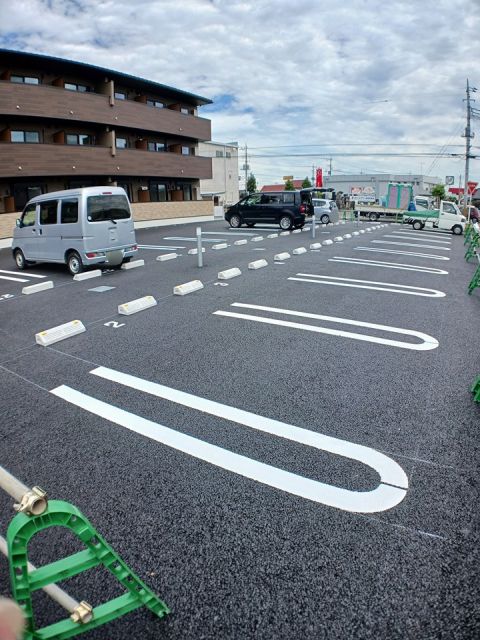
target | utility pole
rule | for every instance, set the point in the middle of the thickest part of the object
(245, 166)
(313, 175)
(330, 168)
(468, 145)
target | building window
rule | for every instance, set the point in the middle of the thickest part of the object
(24, 136)
(72, 86)
(79, 138)
(187, 111)
(156, 146)
(219, 154)
(69, 211)
(24, 79)
(187, 191)
(186, 151)
(228, 154)
(155, 103)
(121, 143)
(120, 95)
(158, 192)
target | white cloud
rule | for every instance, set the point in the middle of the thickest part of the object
(296, 73)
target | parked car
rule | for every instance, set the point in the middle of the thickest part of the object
(473, 213)
(288, 209)
(325, 210)
(77, 227)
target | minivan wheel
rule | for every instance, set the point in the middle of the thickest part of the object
(325, 219)
(457, 230)
(20, 260)
(235, 221)
(74, 263)
(285, 223)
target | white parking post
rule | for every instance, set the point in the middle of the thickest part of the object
(199, 247)
(313, 225)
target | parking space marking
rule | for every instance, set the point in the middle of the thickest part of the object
(227, 233)
(403, 253)
(154, 247)
(213, 240)
(409, 244)
(388, 265)
(29, 275)
(12, 279)
(427, 343)
(389, 287)
(424, 231)
(416, 238)
(391, 490)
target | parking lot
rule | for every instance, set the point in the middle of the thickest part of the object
(292, 453)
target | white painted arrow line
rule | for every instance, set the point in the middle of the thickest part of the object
(389, 493)
(416, 238)
(390, 287)
(403, 253)
(388, 265)
(427, 343)
(409, 244)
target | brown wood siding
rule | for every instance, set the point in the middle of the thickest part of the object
(38, 160)
(45, 101)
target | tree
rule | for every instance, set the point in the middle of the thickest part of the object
(438, 192)
(251, 183)
(306, 183)
(289, 185)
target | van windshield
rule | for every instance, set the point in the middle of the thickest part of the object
(103, 208)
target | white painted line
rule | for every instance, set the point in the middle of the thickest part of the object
(86, 275)
(388, 265)
(389, 472)
(403, 253)
(427, 343)
(15, 273)
(239, 242)
(126, 266)
(256, 239)
(218, 247)
(257, 264)
(416, 238)
(134, 306)
(281, 256)
(36, 288)
(228, 274)
(167, 256)
(227, 233)
(438, 233)
(338, 239)
(316, 245)
(390, 287)
(409, 244)
(188, 287)
(212, 240)
(326, 243)
(13, 279)
(299, 251)
(154, 247)
(194, 252)
(272, 235)
(63, 331)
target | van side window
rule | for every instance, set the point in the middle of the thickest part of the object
(28, 216)
(48, 212)
(289, 198)
(69, 211)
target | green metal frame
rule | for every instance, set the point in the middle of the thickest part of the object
(475, 389)
(473, 243)
(97, 552)
(475, 281)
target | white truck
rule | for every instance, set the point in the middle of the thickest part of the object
(447, 218)
(395, 204)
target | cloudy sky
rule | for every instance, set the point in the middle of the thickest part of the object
(298, 82)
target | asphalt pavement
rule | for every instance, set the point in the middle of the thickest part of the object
(292, 453)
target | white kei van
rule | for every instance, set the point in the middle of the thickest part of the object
(77, 227)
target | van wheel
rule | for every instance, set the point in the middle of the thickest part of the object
(285, 223)
(235, 221)
(325, 219)
(417, 225)
(20, 260)
(457, 230)
(74, 263)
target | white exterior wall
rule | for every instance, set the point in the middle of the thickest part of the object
(379, 181)
(224, 183)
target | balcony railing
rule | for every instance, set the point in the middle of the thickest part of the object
(48, 102)
(32, 160)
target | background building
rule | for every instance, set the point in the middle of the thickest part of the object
(223, 185)
(66, 124)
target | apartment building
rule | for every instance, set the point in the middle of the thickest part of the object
(223, 185)
(66, 124)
